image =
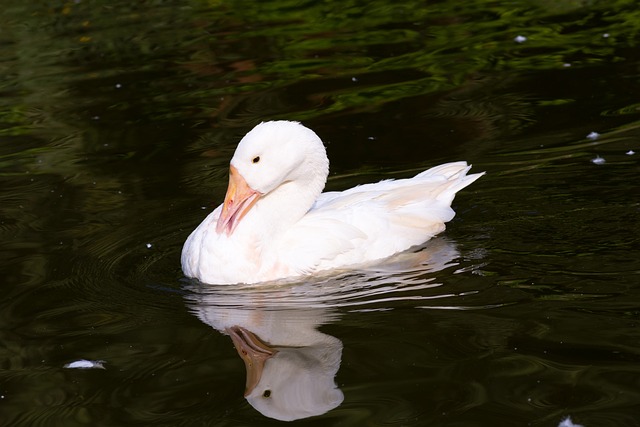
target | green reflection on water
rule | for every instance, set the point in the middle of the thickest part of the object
(181, 56)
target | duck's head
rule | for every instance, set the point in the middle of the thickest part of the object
(270, 156)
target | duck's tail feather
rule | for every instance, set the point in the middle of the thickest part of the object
(454, 177)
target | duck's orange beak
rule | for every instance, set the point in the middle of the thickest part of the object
(239, 200)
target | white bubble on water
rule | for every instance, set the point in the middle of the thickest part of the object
(85, 364)
(568, 423)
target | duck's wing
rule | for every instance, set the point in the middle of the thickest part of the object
(375, 221)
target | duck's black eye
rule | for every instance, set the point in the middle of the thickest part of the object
(267, 393)
(256, 159)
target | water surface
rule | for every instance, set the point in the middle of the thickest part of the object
(117, 122)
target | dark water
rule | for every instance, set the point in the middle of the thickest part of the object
(117, 122)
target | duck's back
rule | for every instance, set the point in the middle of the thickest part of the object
(373, 221)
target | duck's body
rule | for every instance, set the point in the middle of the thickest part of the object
(276, 223)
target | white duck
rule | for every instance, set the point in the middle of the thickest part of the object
(275, 221)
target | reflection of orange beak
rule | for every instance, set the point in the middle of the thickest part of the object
(253, 352)
(239, 200)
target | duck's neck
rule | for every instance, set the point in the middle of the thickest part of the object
(279, 210)
(284, 206)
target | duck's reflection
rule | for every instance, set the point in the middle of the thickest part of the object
(290, 364)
